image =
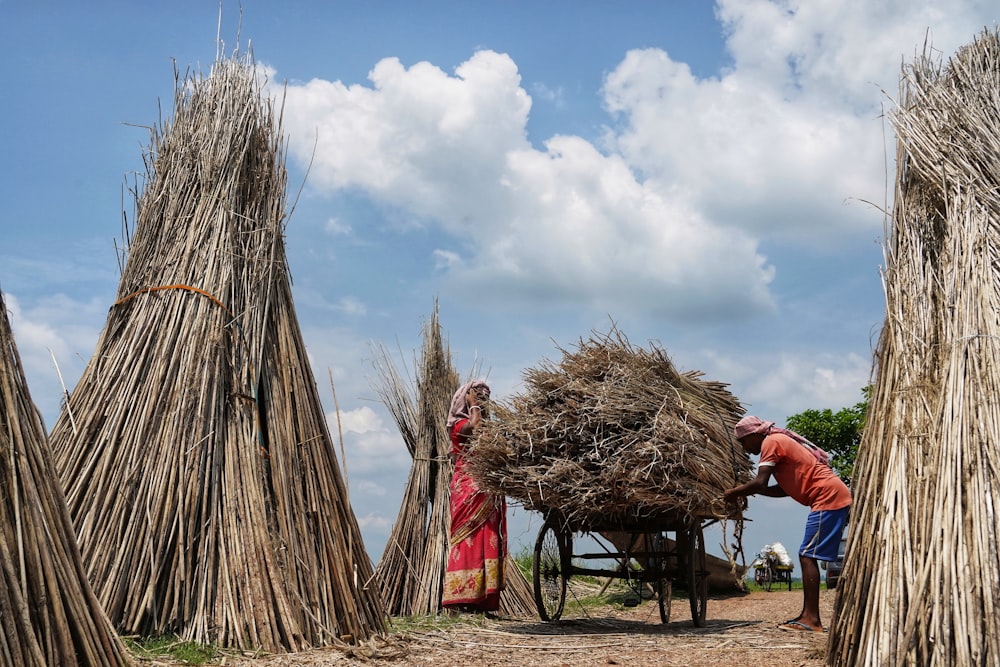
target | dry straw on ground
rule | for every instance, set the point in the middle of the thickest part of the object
(612, 434)
(411, 570)
(49, 613)
(921, 583)
(198, 466)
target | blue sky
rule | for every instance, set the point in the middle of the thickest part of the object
(707, 175)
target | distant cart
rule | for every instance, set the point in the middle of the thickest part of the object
(768, 571)
(650, 557)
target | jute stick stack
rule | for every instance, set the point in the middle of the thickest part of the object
(200, 474)
(921, 582)
(411, 570)
(49, 613)
(611, 434)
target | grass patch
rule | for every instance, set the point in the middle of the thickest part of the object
(443, 621)
(775, 587)
(173, 648)
(524, 559)
(590, 592)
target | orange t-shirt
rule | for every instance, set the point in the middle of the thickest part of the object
(801, 476)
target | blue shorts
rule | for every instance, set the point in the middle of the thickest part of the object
(823, 531)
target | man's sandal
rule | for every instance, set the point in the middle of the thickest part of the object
(798, 626)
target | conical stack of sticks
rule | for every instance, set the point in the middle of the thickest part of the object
(921, 580)
(198, 465)
(49, 613)
(411, 570)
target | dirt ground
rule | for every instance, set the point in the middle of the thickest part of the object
(740, 631)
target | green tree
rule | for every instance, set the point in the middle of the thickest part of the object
(839, 433)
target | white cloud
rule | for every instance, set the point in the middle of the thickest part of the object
(361, 420)
(371, 446)
(568, 222)
(693, 174)
(419, 138)
(368, 487)
(554, 96)
(338, 227)
(579, 226)
(446, 259)
(54, 326)
(836, 50)
(352, 306)
(745, 153)
(785, 383)
(377, 522)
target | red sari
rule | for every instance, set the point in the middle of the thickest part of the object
(478, 539)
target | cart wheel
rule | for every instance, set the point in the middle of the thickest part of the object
(664, 584)
(664, 595)
(549, 571)
(697, 574)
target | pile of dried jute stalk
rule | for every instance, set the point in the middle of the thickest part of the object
(49, 613)
(614, 433)
(194, 452)
(412, 568)
(921, 581)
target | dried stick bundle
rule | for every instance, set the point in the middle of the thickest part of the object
(200, 474)
(921, 583)
(412, 568)
(613, 432)
(49, 613)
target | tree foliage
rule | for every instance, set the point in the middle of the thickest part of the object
(839, 433)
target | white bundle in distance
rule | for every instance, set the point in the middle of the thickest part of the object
(778, 551)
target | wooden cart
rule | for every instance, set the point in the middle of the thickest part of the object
(651, 556)
(768, 572)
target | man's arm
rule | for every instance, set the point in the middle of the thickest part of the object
(773, 491)
(758, 485)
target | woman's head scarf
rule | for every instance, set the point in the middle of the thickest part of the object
(459, 403)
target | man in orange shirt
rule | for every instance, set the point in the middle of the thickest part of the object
(802, 471)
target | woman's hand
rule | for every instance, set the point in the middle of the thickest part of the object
(477, 407)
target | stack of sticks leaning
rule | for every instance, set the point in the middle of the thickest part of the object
(920, 581)
(411, 572)
(48, 612)
(198, 467)
(613, 434)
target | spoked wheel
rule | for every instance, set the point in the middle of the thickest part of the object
(768, 578)
(697, 574)
(664, 584)
(666, 594)
(549, 571)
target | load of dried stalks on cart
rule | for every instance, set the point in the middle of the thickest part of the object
(48, 610)
(614, 433)
(919, 585)
(198, 465)
(412, 568)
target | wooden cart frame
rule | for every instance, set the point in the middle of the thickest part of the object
(651, 558)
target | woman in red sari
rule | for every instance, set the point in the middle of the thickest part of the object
(474, 576)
